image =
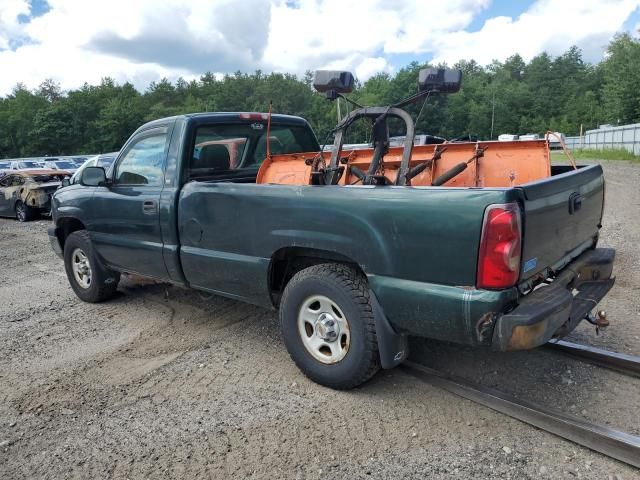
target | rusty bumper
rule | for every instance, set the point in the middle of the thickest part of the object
(553, 311)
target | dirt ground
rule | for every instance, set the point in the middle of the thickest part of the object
(166, 383)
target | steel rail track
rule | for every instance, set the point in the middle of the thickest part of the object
(600, 438)
(620, 362)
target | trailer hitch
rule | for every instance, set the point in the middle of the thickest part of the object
(599, 319)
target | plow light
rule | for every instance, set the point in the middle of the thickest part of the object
(442, 80)
(333, 81)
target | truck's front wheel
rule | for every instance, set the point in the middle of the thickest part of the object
(89, 279)
(328, 326)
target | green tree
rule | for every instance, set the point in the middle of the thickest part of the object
(621, 79)
(558, 93)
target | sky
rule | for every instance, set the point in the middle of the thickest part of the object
(139, 41)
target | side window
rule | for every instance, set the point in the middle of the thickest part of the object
(142, 163)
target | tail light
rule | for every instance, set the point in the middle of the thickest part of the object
(500, 247)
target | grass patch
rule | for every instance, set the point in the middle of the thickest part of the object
(593, 154)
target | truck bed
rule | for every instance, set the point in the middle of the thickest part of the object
(418, 246)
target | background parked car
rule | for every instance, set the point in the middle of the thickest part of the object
(530, 136)
(24, 165)
(79, 161)
(25, 194)
(104, 160)
(66, 165)
(554, 139)
(507, 137)
(4, 168)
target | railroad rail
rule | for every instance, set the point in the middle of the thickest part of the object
(600, 438)
(620, 362)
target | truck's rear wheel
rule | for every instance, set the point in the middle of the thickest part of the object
(90, 280)
(328, 327)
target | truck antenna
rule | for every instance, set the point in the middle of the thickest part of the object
(269, 130)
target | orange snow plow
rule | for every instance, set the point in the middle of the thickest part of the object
(489, 164)
(449, 164)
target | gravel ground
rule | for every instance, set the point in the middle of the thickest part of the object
(165, 383)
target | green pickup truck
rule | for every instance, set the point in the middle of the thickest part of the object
(353, 270)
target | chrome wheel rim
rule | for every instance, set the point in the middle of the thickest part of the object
(81, 268)
(324, 329)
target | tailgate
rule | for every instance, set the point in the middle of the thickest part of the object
(562, 217)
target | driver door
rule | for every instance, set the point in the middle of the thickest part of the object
(126, 221)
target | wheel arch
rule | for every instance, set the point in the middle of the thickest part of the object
(393, 347)
(65, 227)
(288, 261)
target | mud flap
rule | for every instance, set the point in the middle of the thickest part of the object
(54, 240)
(392, 347)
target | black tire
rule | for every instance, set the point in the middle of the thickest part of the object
(24, 213)
(348, 289)
(103, 282)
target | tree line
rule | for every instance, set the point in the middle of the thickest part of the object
(562, 93)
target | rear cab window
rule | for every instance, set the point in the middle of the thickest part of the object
(237, 150)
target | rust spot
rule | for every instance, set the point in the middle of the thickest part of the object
(485, 324)
(526, 337)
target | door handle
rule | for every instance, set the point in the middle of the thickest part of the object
(149, 207)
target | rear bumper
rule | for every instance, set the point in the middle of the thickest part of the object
(553, 311)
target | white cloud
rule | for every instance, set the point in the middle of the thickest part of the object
(57, 47)
(319, 34)
(10, 28)
(370, 66)
(79, 41)
(549, 25)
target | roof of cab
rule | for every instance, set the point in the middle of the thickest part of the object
(230, 116)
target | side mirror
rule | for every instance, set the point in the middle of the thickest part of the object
(442, 80)
(66, 182)
(332, 82)
(93, 177)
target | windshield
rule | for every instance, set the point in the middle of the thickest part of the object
(28, 165)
